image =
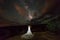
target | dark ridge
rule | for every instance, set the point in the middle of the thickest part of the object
(9, 31)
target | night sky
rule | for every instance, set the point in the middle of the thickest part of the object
(11, 13)
(18, 14)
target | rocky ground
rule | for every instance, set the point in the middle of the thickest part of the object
(38, 36)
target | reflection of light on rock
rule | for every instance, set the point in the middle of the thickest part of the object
(28, 35)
